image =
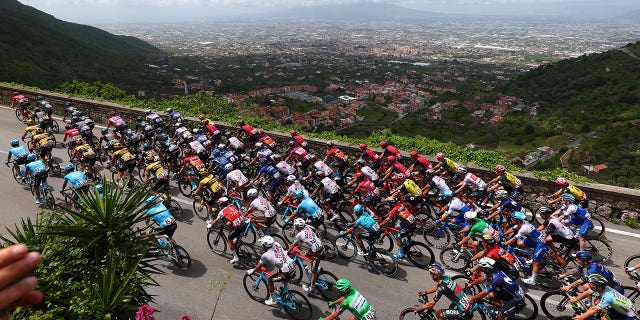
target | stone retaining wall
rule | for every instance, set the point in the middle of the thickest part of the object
(605, 200)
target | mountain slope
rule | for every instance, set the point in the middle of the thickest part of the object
(354, 11)
(38, 49)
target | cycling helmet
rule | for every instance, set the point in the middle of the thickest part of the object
(15, 93)
(100, 187)
(562, 182)
(139, 118)
(383, 144)
(545, 211)
(430, 172)
(177, 125)
(584, 255)
(222, 200)
(343, 285)
(358, 209)
(240, 122)
(227, 134)
(440, 156)
(112, 113)
(276, 157)
(436, 269)
(414, 154)
(392, 200)
(331, 144)
(203, 172)
(501, 194)
(221, 146)
(68, 168)
(117, 146)
(447, 193)
(363, 146)
(79, 141)
(76, 113)
(32, 157)
(39, 131)
(598, 280)
(299, 223)
(104, 131)
(68, 104)
(150, 157)
(36, 109)
(228, 167)
(266, 241)
(568, 197)
(252, 193)
(39, 98)
(291, 178)
(487, 263)
(150, 199)
(293, 132)
(391, 158)
(292, 143)
(148, 111)
(30, 122)
(499, 168)
(68, 126)
(169, 110)
(298, 194)
(488, 239)
(470, 215)
(216, 152)
(517, 215)
(258, 144)
(462, 170)
(14, 143)
(202, 117)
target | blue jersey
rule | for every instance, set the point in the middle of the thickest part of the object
(201, 138)
(18, 152)
(596, 268)
(504, 287)
(77, 179)
(175, 116)
(309, 207)
(367, 222)
(271, 171)
(510, 205)
(161, 215)
(37, 167)
(221, 161)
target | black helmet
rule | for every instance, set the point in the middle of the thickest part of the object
(39, 98)
(68, 104)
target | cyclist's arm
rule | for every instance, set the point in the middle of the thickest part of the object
(590, 312)
(583, 295)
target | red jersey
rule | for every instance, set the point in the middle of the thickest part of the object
(231, 214)
(493, 252)
(400, 211)
(392, 150)
(372, 155)
(337, 153)
(211, 129)
(422, 162)
(247, 129)
(71, 133)
(17, 98)
(398, 167)
(193, 161)
(116, 121)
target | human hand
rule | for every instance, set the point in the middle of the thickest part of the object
(630, 269)
(565, 288)
(250, 271)
(330, 304)
(341, 233)
(18, 286)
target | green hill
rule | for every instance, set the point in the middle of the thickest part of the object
(40, 50)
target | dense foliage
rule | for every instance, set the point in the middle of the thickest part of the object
(95, 265)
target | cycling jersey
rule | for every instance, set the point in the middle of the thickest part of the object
(197, 146)
(368, 153)
(175, 116)
(481, 227)
(474, 181)
(77, 179)
(263, 205)
(264, 152)
(323, 167)
(193, 161)
(214, 184)
(439, 183)
(391, 150)
(116, 121)
(576, 214)
(84, 151)
(41, 117)
(504, 287)
(157, 169)
(237, 177)
(270, 171)
(301, 154)
(456, 208)
(249, 130)
(555, 227)
(450, 289)
(400, 211)
(161, 215)
(619, 306)
(576, 192)
(71, 133)
(369, 187)
(221, 161)
(235, 143)
(510, 180)
(335, 152)
(277, 257)
(509, 205)
(124, 155)
(398, 167)
(369, 173)
(422, 163)
(533, 238)
(296, 185)
(154, 118)
(367, 222)
(308, 207)
(329, 186)
(31, 129)
(596, 268)
(358, 305)
(37, 167)
(309, 239)
(231, 214)
(285, 168)
(20, 153)
(450, 165)
(409, 186)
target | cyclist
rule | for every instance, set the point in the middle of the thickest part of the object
(210, 130)
(77, 179)
(154, 118)
(159, 172)
(20, 153)
(566, 187)
(321, 167)
(406, 223)
(116, 121)
(71, 132)
(308, 208)
(368, 154)
(478, 186)
(502, 290)
(298, 139)
(40, 174)
(506, 180)
(528, 237)
(85, 154)
(41, 117)
(454, 209)
(236, 179)
(367, 187)
(234, 143)
(30, 129)
(366, 171)
(251, 133)
(300, 154)
(352, 300)
(556, 231)
(233, 218)
(274, 176)
(409, 188)
(126, 161)
(366, 221)
(283, 167)
(450, 289)
(435, 181)
(262, 205)
(22, 102)
(476, 226)
(611, 303)
(275, 256)
(294, 185)
(43, 143)
(420, 163)
(69, 108)
(505, 206)
(587, 267)
(214, 185)
(394, 167)
(389, 150)
(308, 237)
(161, 216)
(329, 193)
(341, 161)
(174, 116)
(446, 166)
(575, 215)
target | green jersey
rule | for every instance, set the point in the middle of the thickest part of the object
(358, 305)
(481, 227)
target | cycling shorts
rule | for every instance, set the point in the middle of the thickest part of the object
(169, 230)
(237, 231)
(39, 178)
(128, 166)
(332, 198)
(539, 252)
(274, 184)
(455, 314)
(406, 229)
(161, 185)
(90, 160)
(585, 228)
(512, 307)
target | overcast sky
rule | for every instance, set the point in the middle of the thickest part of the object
(118, 11)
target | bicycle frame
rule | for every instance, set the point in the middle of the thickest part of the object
(280, 296)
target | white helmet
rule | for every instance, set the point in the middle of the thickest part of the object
(470, 215)
(221, 146)
(291, 178)
(266, 241)
(222, 200)
(252, 193)
(487, 262)
(258, 144)
(228, 166)
(299, 222)
(462, 170)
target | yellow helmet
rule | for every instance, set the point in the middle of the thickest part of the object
(203, 172)
(30, 122)
(150, 157)
(117, 146)
(39, 131)
(79, 141)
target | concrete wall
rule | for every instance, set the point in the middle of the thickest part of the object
(605, 200)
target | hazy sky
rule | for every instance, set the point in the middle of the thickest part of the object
(118, 11)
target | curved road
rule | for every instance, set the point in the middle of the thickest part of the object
(194, 292)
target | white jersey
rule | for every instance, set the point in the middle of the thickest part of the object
(323, 167)
(440, 183)
(474, 181)
(561, 229)
(264, 153)
(296, 185)
(309, 239)
(369, 173)
(180, 131)
(285, 168)
(197, 146)
(263, 205)
(277, 257)
(455, 206)
(235, 143)
(237, 177)
(329, 186)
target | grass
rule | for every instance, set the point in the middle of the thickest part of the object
(378, 114)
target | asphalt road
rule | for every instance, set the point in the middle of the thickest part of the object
(194, 292)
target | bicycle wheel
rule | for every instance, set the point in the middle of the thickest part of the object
(556, 304)
(49, 200)
(19, 115)
(289, 232)
(530, 310)
(633, 294)
(600, 249)
(451, 258)
(598, 228)
(200, 207)
(54, 126)
(386, 242)
(280, 239)
(297, 306)
(383, 261)
(326, 285)
(176, 210)
(462, 280)
(15, 176)
(299, 272)
(329, 252)
(408, 314)
(250, 237)
(180, 257)
(434, 236)
(419, 254)
(55, 167)
(247, 254)
(631, 262)
(255, 287)
(185, 187)
(344, 219)
(547, 276)
(346, 247)
(217, 241)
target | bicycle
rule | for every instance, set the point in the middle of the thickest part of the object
(457, 257)
(379, 259)
(528, 312)
(547, 272)
(556, 303)
(217, 241)
(170, 249)
(295, 304)
(418, 253)
(22, 181)
(428, 314)
(326, 280)
(46, 193)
